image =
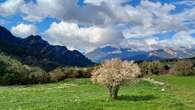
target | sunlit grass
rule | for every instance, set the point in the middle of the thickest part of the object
(81, 94)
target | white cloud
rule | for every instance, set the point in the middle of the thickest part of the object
(83, 38)
(97, 12)
(10, 7)
(151, 18)
(112, 2)
(44, 8)
(188, 18)
(64, 10)
(105, 22)
(142, 21)
(180, 39)
(24, 30)
(151, 41)
(146, 19)
(189, 3)
(188, 15)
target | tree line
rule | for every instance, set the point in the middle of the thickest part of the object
(13, 72)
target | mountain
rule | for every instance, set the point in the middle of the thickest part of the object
(109, 52)
(35, 51)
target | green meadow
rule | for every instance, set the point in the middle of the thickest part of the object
(178, 93)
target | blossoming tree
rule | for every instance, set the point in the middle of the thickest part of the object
(112, 74)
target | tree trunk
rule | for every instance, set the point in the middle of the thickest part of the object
(113, 91)
(116, 89)
(109, 91)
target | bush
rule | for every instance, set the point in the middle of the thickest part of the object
(57, 75)
(184, 68)
(70, 72)
(37, 75)
(148, 68)
(145, 68)
(166, 69)
(13, 72)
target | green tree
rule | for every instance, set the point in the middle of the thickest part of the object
(183, 67)
(152, 67)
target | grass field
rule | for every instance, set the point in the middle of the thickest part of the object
(80, 94)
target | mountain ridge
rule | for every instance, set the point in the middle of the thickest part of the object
(35, 51)
(109, 52)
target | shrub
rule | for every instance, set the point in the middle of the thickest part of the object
(70, 72)
(14, 72)
(112, 74)
(166, 69)
(37, 75)
(145, 68)
(148, 68)
(57, 75)
(183, 67)
(156, 67)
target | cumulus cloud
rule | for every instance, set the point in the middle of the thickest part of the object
(44, 8)
(189, 3)
(180, 39)
(142, 21)
(188, 15)
(188, 18)
(142, 44)
(65, 10)
(10, 7)
(151, 18)
(87, 38)
(112, 2)
(24, 30)
(102, 22)
(146, 19)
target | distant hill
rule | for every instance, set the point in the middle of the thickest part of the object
(109, 52)
(37, 52)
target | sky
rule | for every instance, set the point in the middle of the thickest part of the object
(88, 24)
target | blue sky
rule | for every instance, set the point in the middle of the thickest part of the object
(89, 24)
